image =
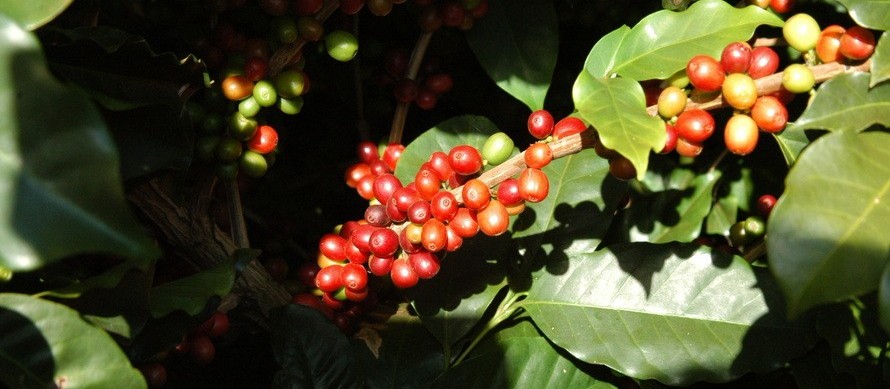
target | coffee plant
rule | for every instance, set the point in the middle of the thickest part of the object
(444, 193)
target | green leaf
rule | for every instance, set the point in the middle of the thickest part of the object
(674, 313)
(58, 168)
(672, 215)
(106, 280)
(519, 357)
(846, 103)
(874, 14)
(880, 61)
(121, 70)
(404, 354)
(516, 43)
(814, 370)
(723, 215)
(827, 233)
(190, 293)
(33, 14)
(468, 129)
(791, 141)
(616, 107)
(451, 303)
(49, 345)
(311, 351)
(662, 43)
(151, 138)
(857, 342)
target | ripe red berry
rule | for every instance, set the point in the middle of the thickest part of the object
(383, 242)
(705, 73)
(569, 125)
(857, 43)
(476, 194)
(155, 374)
(426, 99)
(355, 173)
(433, 235)
(405, 90)
(622, 169)
(687, 148)
(695, 125)
(367, 152)
(307, 7)
(765, 205)
(380, 266)
(391, 155)
(376, 215)
(464, 223)
(237, 88)
(402, 274)
(256, 68)
(670, 142)
(354, 277)
(439, 83)
(740, 134)
(465, 160)
(736, 57)
(444, 206)
(333, 246)
(425, 264)
(508, 192)
(770, 114)
(404, 198)
(828, 46)
(384, 187)
(494, 219)
(452, 13)
(764, 61)
(328, 279)
(202, 350)
(538, 155)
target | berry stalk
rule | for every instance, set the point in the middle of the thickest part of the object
(284, 55)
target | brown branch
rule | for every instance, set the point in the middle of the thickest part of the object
(285, 54)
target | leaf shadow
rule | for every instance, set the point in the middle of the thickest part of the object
(23, 341)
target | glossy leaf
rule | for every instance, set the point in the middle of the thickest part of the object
(828, 245)
(190, 293)
(791, 141)
(516, 43)
(121, 70)
(723, 215)
(675, 313)
(406, 355)
(616, 108)
(661, 44)
(846, 103)
(467, 129)
(672, 215)
(58, 168)
(47, 344)
(874, 14)
(880, 60)
(519, 357)
(311, 351)
(452, 303)
(33, 14)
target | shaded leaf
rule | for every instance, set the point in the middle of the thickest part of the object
(409, 356)
(675, 313)
(616, 108)
(516, 43)
(857, 343)
(723, 215)
(191, 293)
(672, 215)
(519, 357)
(106, 280)
(880, 60)
(662, 43)
(467, 129)
(120, 69)
(33, 14)
(791, 141)
(884, 298)
(46, 345)
(311, 351)
(828, 245)
(151, 138)
(846, 103)
(58, 168)
(873, 14)
(814, 370)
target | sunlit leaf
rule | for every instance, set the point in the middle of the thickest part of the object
(880, 60)
(828, 231)
(516, 43)
(873, 14)
(33, 14)
(616, 108)
(50, 345)
(661, 44)
(58, 167)
(672, 215)
(675, 313)
(846, 103)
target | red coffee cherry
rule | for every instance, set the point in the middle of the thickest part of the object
(540, 123)
(765, 204)
(740, 134)
(764, 61)
(384, 187)
(828, 46)
(705, 73)
(670, 142)
(354, 277)
(444, 206)
(433, 235)
(695, 125)
(439, 83)
(264, 140)
(383, 242)
(508, 192)
(402, 274)
(476, 194)
(465, 160)
(328, 279)
(538, 155)
(380, 266)
(687, 148)
(736, 57)
(494, 219)
(464, 223)
(857, 43)
(770, 114)
(333, 246)
(425, 264)
(569, 125)
(533, 185)
(622, 169)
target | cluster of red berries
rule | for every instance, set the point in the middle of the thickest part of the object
(450, 13)
(197, 346)
(424, 90)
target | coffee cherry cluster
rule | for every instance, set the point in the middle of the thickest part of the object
(372, 165)
(750, 230)
(838, 44)
(450, 13)
(423, 90)
(778, 6)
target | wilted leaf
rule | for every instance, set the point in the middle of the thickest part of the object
(516, 43)
(846, 103)
(675, 313)
(828, 231)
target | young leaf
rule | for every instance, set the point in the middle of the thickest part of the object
(33, 14)
(519, 357)
(846, 103)
(827, 245)
(661, 44)
(874, 14)
(675, 313)
(616, 108)
(516, 43)
(58, 168)
(672, 215)
(880, 61)
(311, 351)
(50, 345)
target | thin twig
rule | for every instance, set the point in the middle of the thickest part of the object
(401, 113)
(236, 214)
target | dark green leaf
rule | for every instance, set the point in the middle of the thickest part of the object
(616, 107)
(675, 313)
(857, 343)
(311, 351)
(672, 215)
(121, 70)
(151, 138)
(791, 141)
(190, 293)
(884, 298)
(33, 14)
(723, 215)
(874, 14)
(846, 103)
(48, 345)
(106, 280)
(59, 168)
(451, 304)
(661, 44)
(828, 231)
(519, 357)
(814, 370)
(467, 129)
(516, 43)
(401, 355)
(880, 61)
